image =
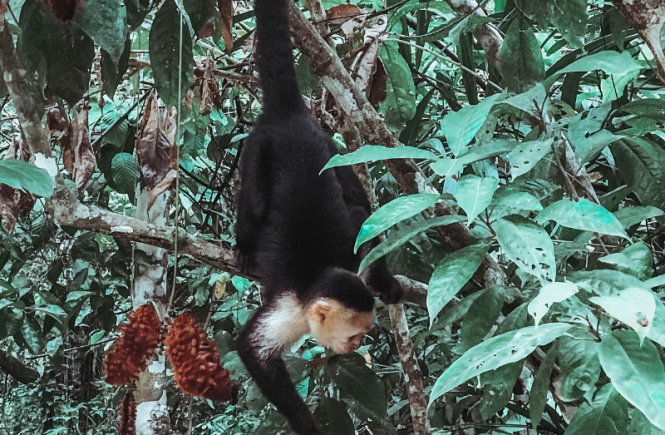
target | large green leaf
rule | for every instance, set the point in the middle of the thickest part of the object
(636, 372)
(474, 194)
(68, 51)
(583, 215)
(403, 235)
(390, 214)
(498, 387)
(461, 127)
(640, 425)
(607, 414)
(105, 21)
(630, 216)
(371, 153)
(510, 201)
(642, 166)
(550, 293)
(32, 334)
(570, 19)
(164, 46)
(400, 103)
(451, 274)
(526, 155)
(522, 62)
(23, 175)
(333, 418)
(635, 307)
(578, 363)
(126, 172)
(527, 245)
(612, 62)
(540, 387)
(200, 12)
(494, 353)
(481, 317)
(351, 374)
(112, 74)
(636, 260)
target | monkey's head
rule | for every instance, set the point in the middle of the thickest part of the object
(341, 310)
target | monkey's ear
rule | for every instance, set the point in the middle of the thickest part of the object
(320, 310)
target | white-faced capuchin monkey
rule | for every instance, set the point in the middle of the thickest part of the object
(296, 230)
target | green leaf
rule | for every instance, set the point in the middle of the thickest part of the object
(498, 387)
(390, 214)
(461, 127)
(126, 172)
(550, 293)
(630, 216)
(612, 62)
(480, 318)
(642, 166)
(522, 62)
(523, 158)
(583, 215)
(635, 307)
(450, 275)
(105, 21)
(527, 245)
(54, 311)
(164, 47)
(403, 235)
(351, 374)
(531, 101)
(494, 353)
(506, 202)
(399, 106)
(540, 387)
(636, 260)
(447, 167)
(578, 364)
(200, 12)
(23, 175)
(111, 74)
(636, 372)
(32, 334)
(607, 414)
(474, 194)
(640, 425)
(94, 338)
(333, 419)
(570, 19)
(371, 153)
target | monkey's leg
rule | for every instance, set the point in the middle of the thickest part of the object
(268, 370)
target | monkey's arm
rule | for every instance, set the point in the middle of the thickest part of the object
(268, 370)
(252, 202)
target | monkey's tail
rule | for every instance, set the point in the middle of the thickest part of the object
(277, 72)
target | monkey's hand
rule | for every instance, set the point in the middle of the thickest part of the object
(245, 261)
(393, 293)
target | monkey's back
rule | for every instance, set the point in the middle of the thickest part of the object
(307, 226)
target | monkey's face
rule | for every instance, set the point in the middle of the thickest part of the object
(337, 326)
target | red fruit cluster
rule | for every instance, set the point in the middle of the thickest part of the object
(127, 423)
(195, 358)
(138, 340)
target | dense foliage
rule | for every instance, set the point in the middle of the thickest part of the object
(551, 153)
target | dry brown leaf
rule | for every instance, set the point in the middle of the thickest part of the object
(3, 9)
(84, 156)
(342, 13)
(14, 202)
(226, 13)
(58, 129)
(377, 90)
(365, 64)
(153, 144)
(204, 78)
(647, 17)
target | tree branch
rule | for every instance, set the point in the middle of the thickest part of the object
(22, 93)
(17, 369)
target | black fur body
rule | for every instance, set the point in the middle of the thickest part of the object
(296, 227)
